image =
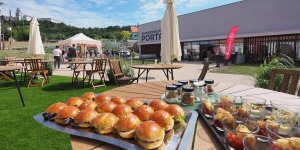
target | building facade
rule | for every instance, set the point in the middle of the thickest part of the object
(19, 14)
(134, 32)
(19, 17)
(48, 19)
(266, 27)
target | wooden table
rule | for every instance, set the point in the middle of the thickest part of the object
(4, 69)
(166, 68)
(77, 64)
(203, 138)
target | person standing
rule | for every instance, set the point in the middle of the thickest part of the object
(57, 54)
(63, 55)
(72, 54)
(96, 53)
(91, 52)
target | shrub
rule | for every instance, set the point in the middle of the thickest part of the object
(264, 73)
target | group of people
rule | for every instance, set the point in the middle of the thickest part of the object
(59, 54)
(91, 52)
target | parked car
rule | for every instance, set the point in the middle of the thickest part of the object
(125, 54)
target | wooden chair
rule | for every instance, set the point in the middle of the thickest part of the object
(35, 68)
(98, 67)
(289, 83)
(118, 75)
(204, 70)
(78, 69)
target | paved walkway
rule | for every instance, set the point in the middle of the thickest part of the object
(190, 70)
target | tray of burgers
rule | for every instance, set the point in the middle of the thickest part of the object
(129, 124)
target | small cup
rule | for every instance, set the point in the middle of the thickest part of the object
(256, 106)
(283, 115)
(224, 98)
(234, 138)
(279, 130)
(206, 107)
(220, 111)
(251, 142)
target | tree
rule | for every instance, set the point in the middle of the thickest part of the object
(126, 35)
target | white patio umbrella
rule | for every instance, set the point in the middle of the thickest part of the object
(170, 43)
(35, 45)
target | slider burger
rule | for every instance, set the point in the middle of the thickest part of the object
(74, 101)
(158, 104)
(104, 123)
(88, 96)
(149, 135)
(83, 118)
(88, 104)
(163, 118)
(143, 112)
(126, 125)
(176, 112)
(118, 100)
(107, 106)
(102, 98)
(52, 110)
(134, 103)
(122, 109)
(66, 115)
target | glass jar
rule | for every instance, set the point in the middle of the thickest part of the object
(199, 90)
(192, 81)
(171, 94)
(179, 88)
(184, 82)
(209, 86)
(187, 97)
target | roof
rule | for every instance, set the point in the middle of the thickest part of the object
(134, 29)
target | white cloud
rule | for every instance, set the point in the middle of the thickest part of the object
(101, 13)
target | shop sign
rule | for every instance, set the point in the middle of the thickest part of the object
(153, 35)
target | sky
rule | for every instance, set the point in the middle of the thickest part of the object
(104, 13)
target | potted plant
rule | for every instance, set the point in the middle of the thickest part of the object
(49, 67)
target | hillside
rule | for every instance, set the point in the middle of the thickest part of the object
(52, 31)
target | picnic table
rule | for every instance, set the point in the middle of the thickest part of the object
(5, 69)
(166, 68)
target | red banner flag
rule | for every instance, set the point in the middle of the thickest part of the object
(230, 41)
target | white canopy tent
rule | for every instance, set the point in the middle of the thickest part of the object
(81, 40)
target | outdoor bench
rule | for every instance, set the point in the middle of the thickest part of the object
(148, 57)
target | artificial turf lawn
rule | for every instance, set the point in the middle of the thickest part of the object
(18, 128)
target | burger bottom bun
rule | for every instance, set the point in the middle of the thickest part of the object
(105, 131)
(149, 145)
(161, 147)
(170, 126)
(127, 134)
(84, 125)
(61, 121)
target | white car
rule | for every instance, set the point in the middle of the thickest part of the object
(125, 54)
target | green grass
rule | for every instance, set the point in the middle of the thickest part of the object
(242, 69)
(18, 128)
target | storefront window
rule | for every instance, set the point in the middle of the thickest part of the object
(195, 50)
(187, 45)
